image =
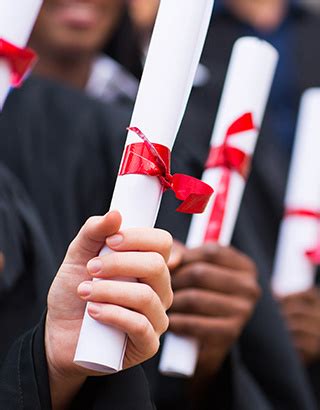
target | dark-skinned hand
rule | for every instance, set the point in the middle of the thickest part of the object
(215, 293)
(302, 314)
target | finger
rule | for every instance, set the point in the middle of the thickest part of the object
(311, 297)
(206, 276)
(307, 346)
(143, 240)
(148, 267)
(299, 323)
(211, 304)
(92, 236)
(303, 310)
(227, 257)
(176, 255)
(134, 296)
(139, 330)
(201, 328)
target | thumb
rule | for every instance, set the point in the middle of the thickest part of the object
(92, 237)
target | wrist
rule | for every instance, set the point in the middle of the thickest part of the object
(65, 380)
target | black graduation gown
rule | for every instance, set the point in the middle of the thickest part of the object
(24, 383)
(78, 187)
(57, 142)
(29, 266)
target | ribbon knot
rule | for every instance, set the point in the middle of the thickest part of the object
(312, 254)
(150, 159)
(230, 159)
(20, 59)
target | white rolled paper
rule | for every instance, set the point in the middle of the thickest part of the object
(293, 271)
(247, 88)
(170, 68)
(17, 18)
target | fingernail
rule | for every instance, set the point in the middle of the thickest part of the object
(85, 289)
(95, 265)
(114, 240)
(94, 309)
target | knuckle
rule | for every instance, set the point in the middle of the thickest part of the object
(147, 296)
(191, 300)
(164, 324)
(154, 346)
(167, 240)
(91, 221)
(209, 250)
(142, 327)
(257, 293)
(233, 330)
(251, 266)
(244, 309)
(169, 299)
(196, 274)
(251, 288)
(72, 247)
(158, 263)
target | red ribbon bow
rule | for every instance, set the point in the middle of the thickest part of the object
(20, 60)
(231, 159)
(150, 159)
(313, 254)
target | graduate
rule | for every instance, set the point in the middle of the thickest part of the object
(89, 45)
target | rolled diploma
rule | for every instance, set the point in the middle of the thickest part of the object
(293, 272)
(172, 61)
(17, 18)
(247, 88)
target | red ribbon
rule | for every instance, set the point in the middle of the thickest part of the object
(20, 60)
(230, 159)
(153, 160)
(313, 254)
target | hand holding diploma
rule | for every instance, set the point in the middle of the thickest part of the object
(215, 292)
(138, 309)
(172, 61)
(302, 315)
(16, 22)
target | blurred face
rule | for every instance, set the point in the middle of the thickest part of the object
(69, 27)
(263, 14)
(143, 13)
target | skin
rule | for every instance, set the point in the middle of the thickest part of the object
(138, 309)
(215, 293)
(143, 14)
(302, 315)
(2, 261)
(68, 35)
(264, 15)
